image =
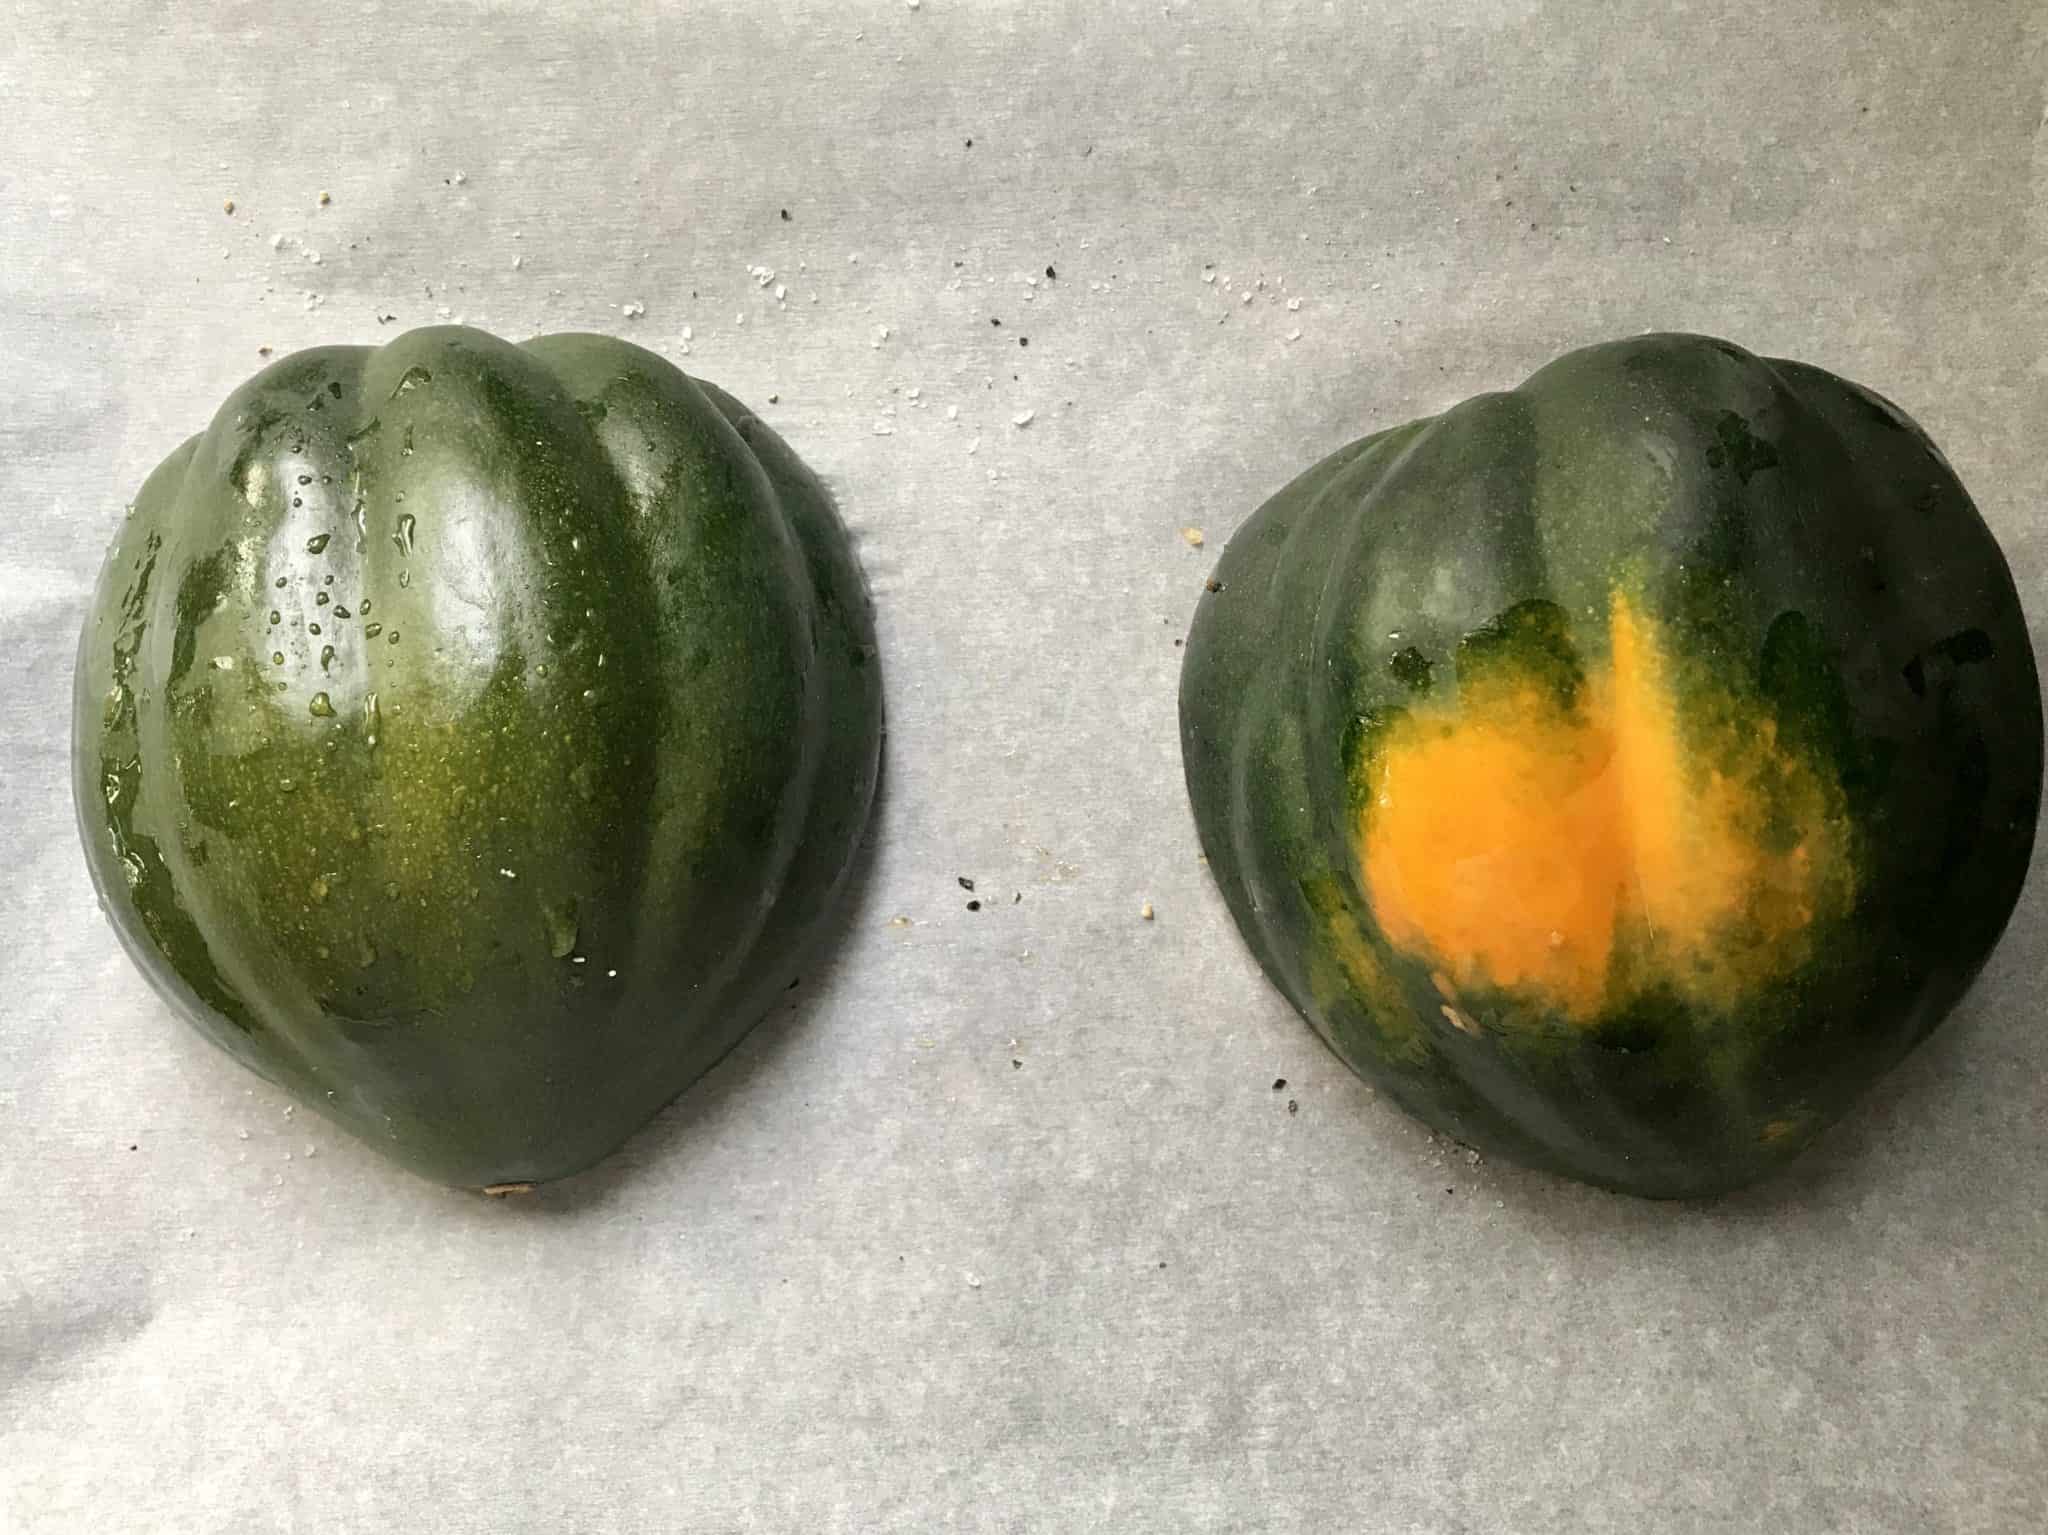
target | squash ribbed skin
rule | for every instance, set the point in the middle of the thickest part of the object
(471, 737)
(1626, 770)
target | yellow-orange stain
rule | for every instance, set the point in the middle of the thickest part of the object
(1349, 965)
(1587, 852)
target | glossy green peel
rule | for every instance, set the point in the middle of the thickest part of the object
(472, 737)
(1627, 769)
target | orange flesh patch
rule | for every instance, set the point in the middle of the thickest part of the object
(1584, 853)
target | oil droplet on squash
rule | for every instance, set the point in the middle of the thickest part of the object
(1635, 836)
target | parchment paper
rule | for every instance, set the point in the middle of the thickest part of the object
(1003, 1225)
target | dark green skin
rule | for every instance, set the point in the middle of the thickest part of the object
(594, 690)
(1807, 542)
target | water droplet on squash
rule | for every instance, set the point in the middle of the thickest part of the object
(371, 631)
(318, 889)
(408, 381)
(278, 583)
(403, 537)
(405, 577)
(277, 658)
(561, 922)
(312, 628)
(326, 656)
(317, 542)
(320, 707)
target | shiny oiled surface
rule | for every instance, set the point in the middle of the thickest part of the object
(470, 736)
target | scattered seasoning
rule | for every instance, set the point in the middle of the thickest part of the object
(1145, 912)
(1023, 341)
(228, 207)
(1278, 1083)
(263, 351)
(1049, 272)
(974, 906)
(1015, 1065)
(1293, 1107)
(785, 215)
(965, 882)
(1023, 418)
(774, 399)
(970, 143)
(899, 922)
(993, 320)
(1212, 585)
(1193, 536)
(325, 199)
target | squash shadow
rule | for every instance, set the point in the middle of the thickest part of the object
(1926, 1101)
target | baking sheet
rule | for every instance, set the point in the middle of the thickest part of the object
(1002, 1225)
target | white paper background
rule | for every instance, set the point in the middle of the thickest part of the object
(870, 1275)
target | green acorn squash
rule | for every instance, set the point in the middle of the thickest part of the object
(471, 737)
(1625, 770)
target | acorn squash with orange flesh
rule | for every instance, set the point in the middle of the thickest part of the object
(1626, 770)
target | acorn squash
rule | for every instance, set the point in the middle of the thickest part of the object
(1625, 770)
